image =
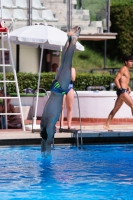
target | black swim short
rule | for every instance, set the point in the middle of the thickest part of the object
(121, 91)
(55, 87)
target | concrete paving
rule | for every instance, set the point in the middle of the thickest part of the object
(90, 134)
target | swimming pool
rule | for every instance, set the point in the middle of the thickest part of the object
(97, 172)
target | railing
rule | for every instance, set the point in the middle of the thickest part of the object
(111, 70)
(95, 88)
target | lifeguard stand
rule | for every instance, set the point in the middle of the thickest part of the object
(4, 31)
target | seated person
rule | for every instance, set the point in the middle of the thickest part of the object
(54, 67)
(13, 120)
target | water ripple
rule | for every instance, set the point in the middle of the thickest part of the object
(95, 172)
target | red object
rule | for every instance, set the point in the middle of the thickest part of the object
(3, 29)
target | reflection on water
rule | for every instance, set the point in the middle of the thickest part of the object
(95, 172)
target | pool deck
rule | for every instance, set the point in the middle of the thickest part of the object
(92, 133)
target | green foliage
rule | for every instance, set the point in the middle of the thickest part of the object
(26, 80)
(120, 2)
(93, 57)
(27, 95)
(94, 6)
(122, 23)
(1, 101)
(83, 80)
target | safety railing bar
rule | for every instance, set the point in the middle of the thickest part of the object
(33, 102)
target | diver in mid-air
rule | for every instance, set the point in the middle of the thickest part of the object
(53, 107)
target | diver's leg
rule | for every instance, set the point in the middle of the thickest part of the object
(72, 31)
(63, 55)
(70, 50)
(65, 73)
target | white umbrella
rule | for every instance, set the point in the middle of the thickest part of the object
(36, 35)
(47, 37)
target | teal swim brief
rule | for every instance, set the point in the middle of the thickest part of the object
(55, 87)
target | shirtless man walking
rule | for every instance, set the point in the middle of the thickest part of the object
(53, 107)
(123, 90)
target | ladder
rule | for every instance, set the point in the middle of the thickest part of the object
(4, 31)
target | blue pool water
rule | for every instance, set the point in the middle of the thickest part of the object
(96, 172)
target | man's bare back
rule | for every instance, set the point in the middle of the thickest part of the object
(123, 90)
(125, 78)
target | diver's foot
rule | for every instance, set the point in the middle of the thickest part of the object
(77, 33)
(107, 128)
(72, 31)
